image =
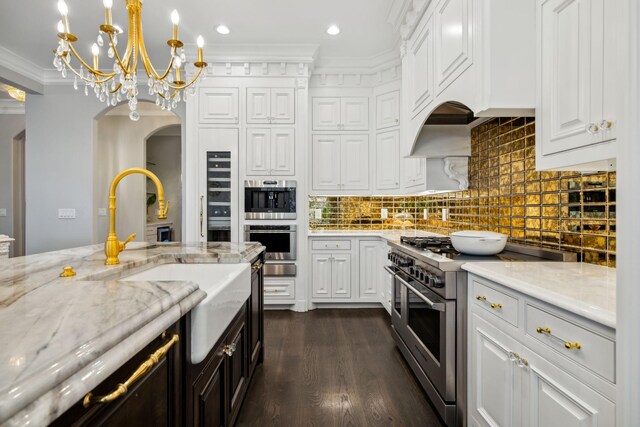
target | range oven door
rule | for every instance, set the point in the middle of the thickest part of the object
(427, 324)
(280, 240)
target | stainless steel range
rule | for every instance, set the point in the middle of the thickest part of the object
(429, 315)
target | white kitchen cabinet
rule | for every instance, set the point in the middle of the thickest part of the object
(388, 110)
(414, 174)
(218, 106)
(388, 160)
(453, 40)
(418, 65)
(340, 113)
(521, 376)
(371, 271)
(270, 152)
(340, 162)
(354, 159)
(331, 275)
(279, 289)
(576, 120)
(270, 105)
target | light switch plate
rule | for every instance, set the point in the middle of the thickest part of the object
(425, 214)
(3, 212)
(66, 213)
(384, 213)
(318, 213)
(444, 214)
(102, 211)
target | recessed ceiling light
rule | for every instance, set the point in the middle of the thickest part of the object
(333, 30)
(223, 29)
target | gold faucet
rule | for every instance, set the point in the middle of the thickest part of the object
(113, 246)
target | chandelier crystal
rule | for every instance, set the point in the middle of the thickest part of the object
(121, 80)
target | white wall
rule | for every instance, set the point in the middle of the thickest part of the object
(61, 130)
(163, 159)
(10, 126)
(120, 144)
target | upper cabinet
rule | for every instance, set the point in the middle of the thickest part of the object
(388, 110)
(576, 119)
(218, 106)
(340, 113)
(453, 40)
(418, 68)
(340, 162)
(270, 152)
(388, 161)
(270, 105)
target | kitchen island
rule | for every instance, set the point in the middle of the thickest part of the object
(63, 336)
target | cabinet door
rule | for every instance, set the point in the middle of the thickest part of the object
(388, 110)
(388, 160)
(420, 59)
(354, 113)
(354, 172)
(254, 318)
(283, 106)
(371, 271)
(570, 74)
(258, 152)
(493, 378)
(283, 152)
(321, 275)
(326, 113)
(258, 105)
(453, 40)
(414, 173)
(326, 162)
(238, 368)
(559, 400)
(341, 275)
(218, 105)
(210, 409)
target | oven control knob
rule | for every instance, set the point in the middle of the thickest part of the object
(436, 282)
(412, 271)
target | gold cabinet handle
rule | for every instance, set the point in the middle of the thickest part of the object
(567, 344)
(201, 216)
(494, 305)
(142, 370)
(257, 267)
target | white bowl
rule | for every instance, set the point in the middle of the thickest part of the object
(478, 242)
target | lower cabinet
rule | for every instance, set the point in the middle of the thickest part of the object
(155, 399)
(514, 384)
(331, 274)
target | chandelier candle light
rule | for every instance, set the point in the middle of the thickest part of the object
(111, 85)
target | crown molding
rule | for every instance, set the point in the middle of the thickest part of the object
(11, 106)
(397, 12)
(258, 53)
(412, 17)
(357, 72)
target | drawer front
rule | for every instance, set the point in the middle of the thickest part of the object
(495, 302)
(590, 349)
(331, 245)
(280, 289)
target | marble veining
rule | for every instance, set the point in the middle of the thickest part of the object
(584, 289)
(53, 329)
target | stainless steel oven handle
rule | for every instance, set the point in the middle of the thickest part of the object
(433, 305)
(390, 271)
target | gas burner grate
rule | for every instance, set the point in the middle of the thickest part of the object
(440, 245)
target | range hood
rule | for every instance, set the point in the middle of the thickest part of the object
(445, 142)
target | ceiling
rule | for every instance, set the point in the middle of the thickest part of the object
(365, 31)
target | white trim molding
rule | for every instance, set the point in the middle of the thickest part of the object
(11, 106)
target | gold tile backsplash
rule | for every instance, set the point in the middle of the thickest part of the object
(564, 210)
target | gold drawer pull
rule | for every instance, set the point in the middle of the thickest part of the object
(494, 305)
(567, 344)
(142, 370)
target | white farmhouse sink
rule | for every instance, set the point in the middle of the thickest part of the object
(227, 286)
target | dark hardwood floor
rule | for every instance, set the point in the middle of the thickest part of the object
(334, 368)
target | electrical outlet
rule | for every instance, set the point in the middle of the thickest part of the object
(384, 213)
(444, 214)
(318, 213)
(66, 213)
(425, 214)
(102, 211)
(3, 212)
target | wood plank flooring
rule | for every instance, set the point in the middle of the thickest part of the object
(334, 368)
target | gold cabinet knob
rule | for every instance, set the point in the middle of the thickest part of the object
(481, 298)
(67, 272)
(496, 306)
(572, 345)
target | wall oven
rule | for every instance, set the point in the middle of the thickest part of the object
(270, 199)
(281, 241)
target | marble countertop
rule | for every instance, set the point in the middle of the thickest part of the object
(389, 235)
(584, 289)
(61, 337)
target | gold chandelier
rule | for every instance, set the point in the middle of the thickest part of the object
(121, 80)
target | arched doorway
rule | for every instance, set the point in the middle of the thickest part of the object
(121, 144)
